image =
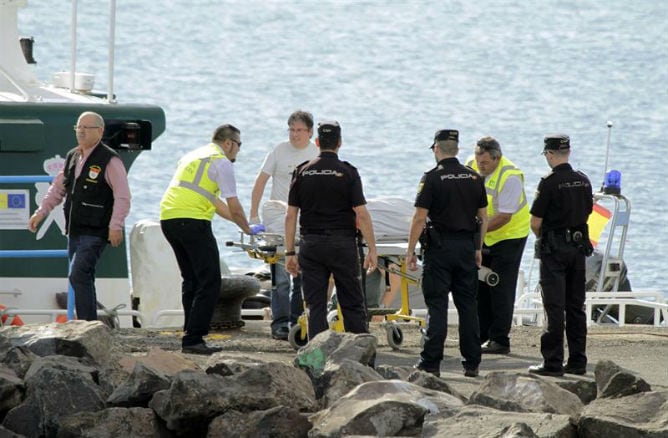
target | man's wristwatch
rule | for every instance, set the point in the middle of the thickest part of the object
(290, 253)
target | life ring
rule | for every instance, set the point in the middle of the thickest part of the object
(16, 320)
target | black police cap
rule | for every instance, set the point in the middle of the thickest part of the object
(556, 142)
(445, 134)
(330, 129)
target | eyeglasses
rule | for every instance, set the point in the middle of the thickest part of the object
(81, 128)
(237, 142)
(297, 130)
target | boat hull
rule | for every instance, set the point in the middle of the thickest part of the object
(34, 139)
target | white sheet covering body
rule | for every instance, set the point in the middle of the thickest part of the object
(391, 217)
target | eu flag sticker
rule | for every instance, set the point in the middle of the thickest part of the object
(14, 209)
(16, 200)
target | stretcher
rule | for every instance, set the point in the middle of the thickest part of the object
(269, 248)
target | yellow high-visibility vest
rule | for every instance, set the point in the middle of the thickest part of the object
(518, 226)
(191, 193)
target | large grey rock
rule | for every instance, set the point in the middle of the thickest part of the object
(18, 359)
(226, 366)
(233, 291)
(615, 381)
(332, 346)
(638, 415)
(11, 389)
(53, 392)
(86, 339)
(139, 388)
(429, 381)
(111, 423)
(584, 388)
(277, 422)
(340, 378)
(162, 363)
(6, 433)
(62, 363)
(390, 372)
(382, 408)
(525, 393)
(194, 398)
(479, 421)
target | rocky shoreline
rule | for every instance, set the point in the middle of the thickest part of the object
(84, 379)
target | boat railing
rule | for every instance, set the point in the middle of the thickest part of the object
(110, 60)
(54, 313)
(179, 312)
(645, 298)
(530, 303)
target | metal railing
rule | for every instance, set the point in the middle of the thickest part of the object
(37, 253)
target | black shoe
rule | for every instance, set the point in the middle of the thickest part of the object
(471, 372)
(542, 371)
(200, 349)
(281, 333)
(575, 369)
(493, 347)
(431, 370)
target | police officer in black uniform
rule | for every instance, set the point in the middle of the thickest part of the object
(327, 194)
(559, 215)
(450, 206)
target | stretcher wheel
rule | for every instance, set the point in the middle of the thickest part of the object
(332, 316)
(395, 337)
(296, 337)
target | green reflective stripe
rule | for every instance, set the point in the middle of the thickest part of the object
(200, 169)
(523, 202)
(197, 189)
(194, 185)
(493, 192)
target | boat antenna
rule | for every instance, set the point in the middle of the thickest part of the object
(607, 152)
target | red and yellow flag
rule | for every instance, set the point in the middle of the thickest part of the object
(597, 221)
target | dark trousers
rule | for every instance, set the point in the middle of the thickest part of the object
(84, 253)
(451, 267)
(197, 255)
(319, 257)
(296, 300)
(497, 303)
(562, 280)
(286, 298)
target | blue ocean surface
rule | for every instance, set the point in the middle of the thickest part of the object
(392, 73)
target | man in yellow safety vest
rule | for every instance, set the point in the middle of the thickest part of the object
(507, 231)
(203, 185)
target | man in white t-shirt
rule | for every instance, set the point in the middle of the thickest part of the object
(286, 301)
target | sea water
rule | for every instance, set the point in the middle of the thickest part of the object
(392, 73)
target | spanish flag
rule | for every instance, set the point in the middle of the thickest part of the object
(597, 221)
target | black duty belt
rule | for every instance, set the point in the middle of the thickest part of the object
(328, 232)
(568, 235)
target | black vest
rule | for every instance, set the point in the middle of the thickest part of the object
(90, 200)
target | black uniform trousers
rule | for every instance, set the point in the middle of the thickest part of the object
(450, 266)
(321, 256)
(562, 280)
(198, 258)
(497, 303)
